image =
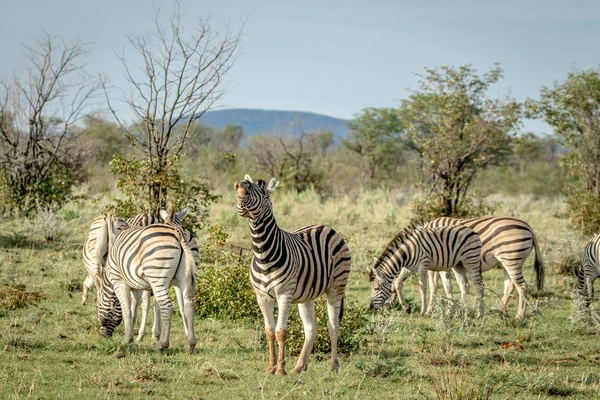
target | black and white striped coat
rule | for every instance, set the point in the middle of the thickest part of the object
(153, 258)
(292, 267)
(95, 250)
(506, 240)
(588, 271)
(424, 249)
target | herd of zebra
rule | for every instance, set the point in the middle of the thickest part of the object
(128, 260)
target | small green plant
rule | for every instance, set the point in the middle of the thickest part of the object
(47, 222)
(459, 384)
(380, 367)
(146, 371)
(15, 297)
(72, 285)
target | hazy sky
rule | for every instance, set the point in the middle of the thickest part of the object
(337, 57)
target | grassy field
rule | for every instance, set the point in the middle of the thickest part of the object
(52, 350)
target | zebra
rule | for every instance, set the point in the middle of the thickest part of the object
(151, 258)
(293, 267)
(420, 249)
(588, 271)
(95, 252)
(504, 239)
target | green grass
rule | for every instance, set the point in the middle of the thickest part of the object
(52, 350)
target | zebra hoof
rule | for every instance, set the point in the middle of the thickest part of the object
(280, 371)
(270, 369)
(298, 369)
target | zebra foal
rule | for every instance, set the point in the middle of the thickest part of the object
(421, 250)
(152, 258)
(292, 267)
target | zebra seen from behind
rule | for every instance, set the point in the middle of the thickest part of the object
(504, 239)
(588, 271)
(420, 250)
(151, 258)
(95, 250)
(292, 267)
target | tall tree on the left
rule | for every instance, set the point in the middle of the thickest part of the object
(40, 104)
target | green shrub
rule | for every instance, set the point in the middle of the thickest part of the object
(583, 207)
(471, 207)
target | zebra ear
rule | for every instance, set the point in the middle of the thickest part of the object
(273, 183)
(181, 214)
(247, 178)
(164, 214)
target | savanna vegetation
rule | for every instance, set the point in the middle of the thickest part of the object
(451, 148)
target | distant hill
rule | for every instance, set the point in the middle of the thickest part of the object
(255, 121)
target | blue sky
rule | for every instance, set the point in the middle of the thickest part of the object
(337, 57)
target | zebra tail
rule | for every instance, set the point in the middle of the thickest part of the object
(102, 243)
(342, 309)
(190, 268)
(538, 266)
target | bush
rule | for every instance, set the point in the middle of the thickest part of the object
(47, 222)
(583, 208)
(15, 297)
(224, 291)
(471, 207)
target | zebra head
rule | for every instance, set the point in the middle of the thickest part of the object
(253, 199)
(381, 288)
(109, 308)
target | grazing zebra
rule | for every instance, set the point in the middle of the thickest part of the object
(95, 250)
(151, 258)
(504, 239)
(293, 267)
(422, 249)
(143, 219)
(588, 271)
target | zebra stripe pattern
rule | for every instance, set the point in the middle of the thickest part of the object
(422, 249)
(143, 219)
(293, 267)
(153, 258)
(588, 271)
(95, 250)
(504, 239)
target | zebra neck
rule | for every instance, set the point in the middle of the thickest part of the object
(266, 237)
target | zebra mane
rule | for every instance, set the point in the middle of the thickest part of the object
(399, 239)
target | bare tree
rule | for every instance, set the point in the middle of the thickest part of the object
(39, 106)
(181, 78)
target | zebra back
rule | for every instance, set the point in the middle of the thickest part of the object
(143, 219)
(96, 246)
(504, 238)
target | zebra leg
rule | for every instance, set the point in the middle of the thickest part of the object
(398, 285)
(461, 278)
(423, 288)
(475, 274)
(284, 303)
(161, 296)
(589, 291)
(124, 295)
(311, 327)
(145, 309)
(433, 277)
(180, 302)
(516, 276)
(508, 287)
(136, 296)
(188, 316)
(267, 307)
(88, 283)
(156, 323)
(334, 309)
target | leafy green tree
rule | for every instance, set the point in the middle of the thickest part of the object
(458, 129)
(375, 136)
(181, 78)
(40, 105)
(572, 108)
